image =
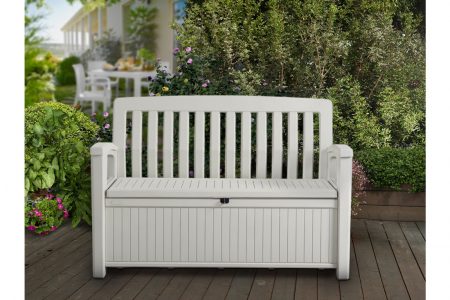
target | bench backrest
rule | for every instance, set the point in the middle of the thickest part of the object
(216, 145)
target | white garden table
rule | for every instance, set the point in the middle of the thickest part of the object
(137, 77)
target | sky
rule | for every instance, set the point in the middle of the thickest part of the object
(57, 13)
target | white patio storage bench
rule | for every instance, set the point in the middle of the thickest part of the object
(213, 218)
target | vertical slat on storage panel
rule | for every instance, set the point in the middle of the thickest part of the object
(277, 145)
(250, 256)
(230, 145)
(292, 163)
(275, 235)
(242, 234)
(167, 234)
(300, 236)
(291, 234)
(176, 234)
(136, 144)
(201, 232)
(325, 137)
(316, 234)
(258, 234)
(134, 232)
(308, 144)
(267, 235)
(192, 234)
(184, 234)
(109, 234)
(214, 144)
(225, 234)
(234, 234)
(152, 147)
(333, 232)
(308, 235)
(168, 144)
(183, 145)
(159, 229)
(151, 229)
(118, 242)
(261, 145)
(199, 145)
(209, 235)
(246, 137)
(217, 234)
(143, 234)
(283, 234)
(325, 235)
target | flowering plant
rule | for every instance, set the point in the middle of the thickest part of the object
(103, 120)
(359, 184)
(44, 213)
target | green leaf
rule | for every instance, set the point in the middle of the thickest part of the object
(38, 129)
(55, 163)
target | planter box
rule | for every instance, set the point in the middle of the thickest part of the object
(393, 206)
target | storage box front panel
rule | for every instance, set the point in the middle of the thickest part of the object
(221, 235)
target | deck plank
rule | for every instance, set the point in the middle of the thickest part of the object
(241, 284)
(220, 285)
(113, 286)
(351, 289)
(178, 284)
(416, 243)
(421, 226)
(369, 274)
(306, 285)
(262, 285)
(390, 274)
(284, 287)
(136, 284)
(198, 286)
(327, 285)
(156, 285)
(92, 286)
(412, 276)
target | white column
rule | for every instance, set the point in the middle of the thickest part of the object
(83, 35)
(99, 22)
(91, 38)
(66, 43)
(77, 43)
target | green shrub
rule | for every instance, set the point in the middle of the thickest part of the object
(107, 48)
(57, 142)
(65, 74)
(394, 167)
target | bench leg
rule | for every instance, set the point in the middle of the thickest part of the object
(98, 218)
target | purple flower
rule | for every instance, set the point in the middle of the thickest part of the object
(151, 94)
(53, 228)
(94, 114)
(66, 214)
(60, 206)
(59, 200)
(189, 61)
(31, 228)
(37, 213)
(176, 50)
(107, 126)
(188, 49)
(50, 196)
(204, 85)
(106, 114)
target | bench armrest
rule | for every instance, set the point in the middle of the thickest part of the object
(103, 164)
(339, 170)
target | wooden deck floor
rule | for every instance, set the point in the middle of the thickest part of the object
(387, 262)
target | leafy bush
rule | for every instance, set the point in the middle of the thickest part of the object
(108, 48)
(392, 168)
(141, 28)
(65, 74)
(44, 213)
(359, 184)
(57, 142)
(370, 53)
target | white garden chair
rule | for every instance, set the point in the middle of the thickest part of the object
(93, 93)
(98, 65)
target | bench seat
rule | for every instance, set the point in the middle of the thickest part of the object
(130, 187)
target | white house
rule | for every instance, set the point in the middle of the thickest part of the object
(81, 30)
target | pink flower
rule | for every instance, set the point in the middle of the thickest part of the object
(50, 196)
(31, 228)
(189, 61)
(53, 228)
(106, 114)
(204, 85)
(66, 214)
(59, 200)
(60, 206)
(107, 126)
(176, 50)
(94, 114)
(37, 213)
(188, 49)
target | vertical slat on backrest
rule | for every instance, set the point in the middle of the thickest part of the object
(152, 148)
(230, 145)
(168, 144)
(325, 136)
(261, 145)
(277, 144)
(214, 144)
(246, 137)
(136, 144)
(120, 138)
(292, 162)
(183, 145)
(199, 145)
(308, 143)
